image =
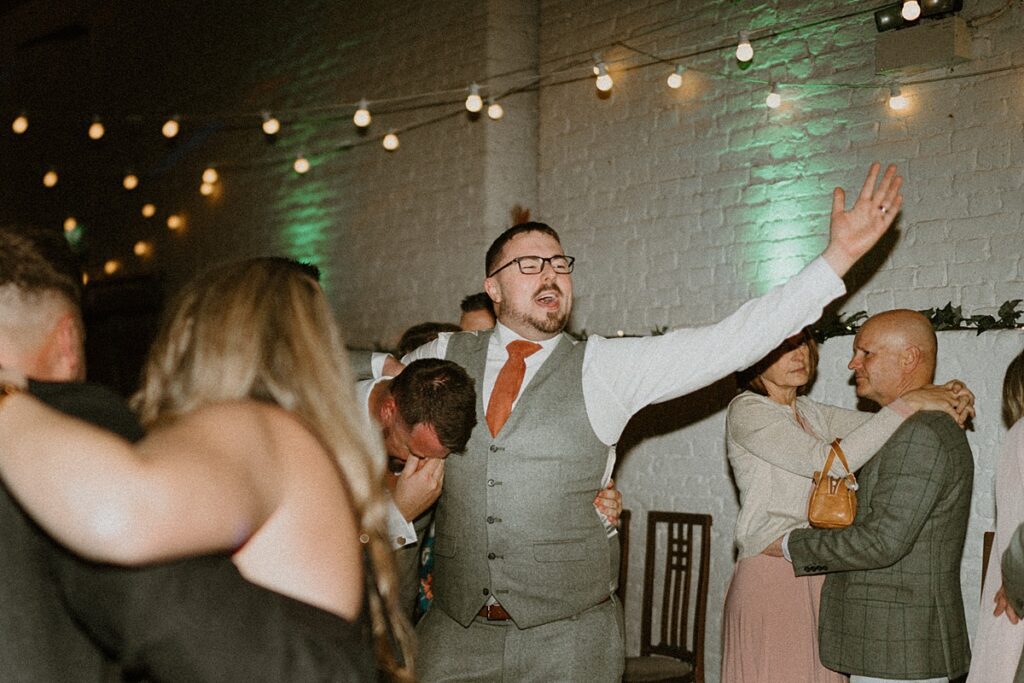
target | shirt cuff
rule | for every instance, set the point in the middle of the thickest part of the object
(377, 364)
(401, 532)
(785, 547)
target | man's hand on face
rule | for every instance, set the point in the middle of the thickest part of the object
(418, 486)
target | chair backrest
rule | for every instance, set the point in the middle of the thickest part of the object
(620, 591)
(676, 587)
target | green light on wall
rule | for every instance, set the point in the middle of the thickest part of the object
(305, 207)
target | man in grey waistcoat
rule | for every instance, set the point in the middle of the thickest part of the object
(524, 574)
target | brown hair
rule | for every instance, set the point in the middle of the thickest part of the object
(1013, 391)
(750, 379)
(494, 251)
(262, 329)
(438, 393)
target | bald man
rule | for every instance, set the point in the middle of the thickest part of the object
(891, 608)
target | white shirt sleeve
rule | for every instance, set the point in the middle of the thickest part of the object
(621, 376)
(400, 532)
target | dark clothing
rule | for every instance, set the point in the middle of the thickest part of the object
(190, 620)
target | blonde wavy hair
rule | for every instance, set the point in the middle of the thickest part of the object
(261, 329)
(1013, 391)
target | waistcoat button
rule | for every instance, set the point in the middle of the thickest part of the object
(491, 556)
(487, 592)
(490, 482)
(490, 520)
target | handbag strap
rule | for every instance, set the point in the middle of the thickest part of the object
(836, 450)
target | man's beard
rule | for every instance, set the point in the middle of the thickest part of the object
(551, 322)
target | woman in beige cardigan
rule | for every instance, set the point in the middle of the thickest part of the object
(777, 438)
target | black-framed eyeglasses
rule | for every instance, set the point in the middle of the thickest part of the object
(531, 265)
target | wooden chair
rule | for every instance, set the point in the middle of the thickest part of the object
(620, 591)
(676, 581)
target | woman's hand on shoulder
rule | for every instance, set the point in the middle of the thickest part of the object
(952, 398)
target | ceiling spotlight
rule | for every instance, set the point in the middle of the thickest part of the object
(675, 79)
(171, 127)
(362, 116)
(271, 126)
(744, 50)
(20, 124)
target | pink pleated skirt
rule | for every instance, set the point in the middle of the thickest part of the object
(770, 630)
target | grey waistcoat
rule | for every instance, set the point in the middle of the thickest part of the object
(517, 518)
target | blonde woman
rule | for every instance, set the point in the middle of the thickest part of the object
(255, 446)
(999, 638)
(776, 439)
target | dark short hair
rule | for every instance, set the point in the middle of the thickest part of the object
(37, 261)
(477, 302)
(438, 393)
(750, 378)
(308, 269)
(490, 262)
(418, 335)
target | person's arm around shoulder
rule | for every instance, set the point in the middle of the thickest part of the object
(203, 484)
(911, 473)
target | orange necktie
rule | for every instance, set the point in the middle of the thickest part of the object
(506, 387)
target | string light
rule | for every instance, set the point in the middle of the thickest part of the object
(301, 165)
(474, 102)
(70, 223)
(675, 79)
(111, 266)
(744, 51)
(20, 124)
(390, 142)
(148, 210)
(175, 222)
(604, 81)
(85, 278)
(271, 126)
(210, 175)
(50, 178)
(897, 101)
(911, 10)
(494, 110)
(774, 99)
(362, 116)
(143, 248)
(171, 127)
(131, 181)
(206, 189)
(96, 129)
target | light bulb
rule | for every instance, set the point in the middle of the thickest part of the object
(70, 223)
(50, 178)
(20, 124)
(175, 222)
(148, 210)
(495, 110)
(474, 102)
(111, 266)
(96, 130)
(911, 10)
(143, 248)
(896, 99)
(390, 142)
(85, 278)
(210, 175)
(675, 79)
(744, 51)
(206, 189)
(604, 81)
(362, 116)
(270, 125)
(301, 165)
(170, 128)
(131, 181)
(774, 99)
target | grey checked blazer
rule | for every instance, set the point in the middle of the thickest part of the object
(891, 606)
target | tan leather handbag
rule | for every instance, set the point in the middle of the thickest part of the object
(833, 501)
